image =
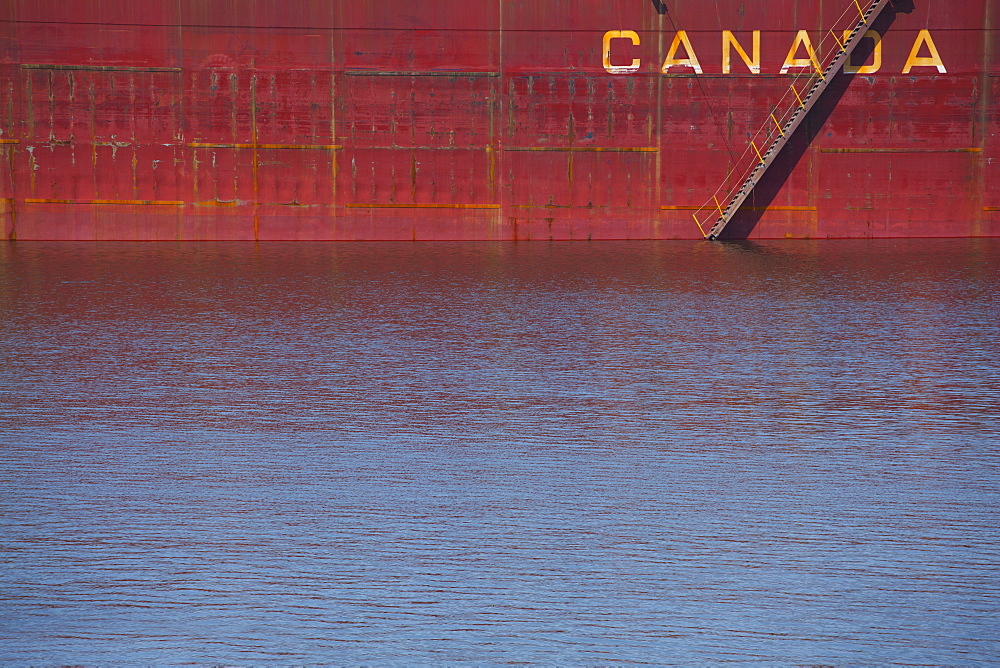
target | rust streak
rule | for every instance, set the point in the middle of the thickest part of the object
(256, 155)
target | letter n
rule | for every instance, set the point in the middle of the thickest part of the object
(728, 41)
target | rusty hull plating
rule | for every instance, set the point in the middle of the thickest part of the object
(320, 119)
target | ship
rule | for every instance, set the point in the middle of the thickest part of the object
(316, 120)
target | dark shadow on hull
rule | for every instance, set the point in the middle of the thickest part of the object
(747, 216)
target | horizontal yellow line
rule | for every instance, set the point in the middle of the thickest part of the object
(10, 141)
(328, 147)
(586, 149)
(358, 205)
(148, 202)
(215, 202)
(991, 208)
(901, 150)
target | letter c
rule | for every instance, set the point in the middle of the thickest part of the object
(620, 34)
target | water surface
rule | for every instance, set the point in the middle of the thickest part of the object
(400, 454)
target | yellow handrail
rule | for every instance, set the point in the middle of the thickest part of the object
(740, 170)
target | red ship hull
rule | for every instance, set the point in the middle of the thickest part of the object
(319, 120)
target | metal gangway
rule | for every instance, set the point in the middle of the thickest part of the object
(793, 118)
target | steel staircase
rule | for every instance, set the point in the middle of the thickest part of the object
(804, 105)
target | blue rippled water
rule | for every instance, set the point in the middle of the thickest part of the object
(549, 453)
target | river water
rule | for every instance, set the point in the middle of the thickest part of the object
(412, 454)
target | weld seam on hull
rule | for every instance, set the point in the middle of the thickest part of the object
(585, 149)
(688, 207)
(314, 147)
(430, 73)
(901, 150)
(427, 148)
(97, 68)
(355, 205)
(137, 202)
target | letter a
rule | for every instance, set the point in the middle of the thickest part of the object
(924, 37)
(791, 61)
(671, 60)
